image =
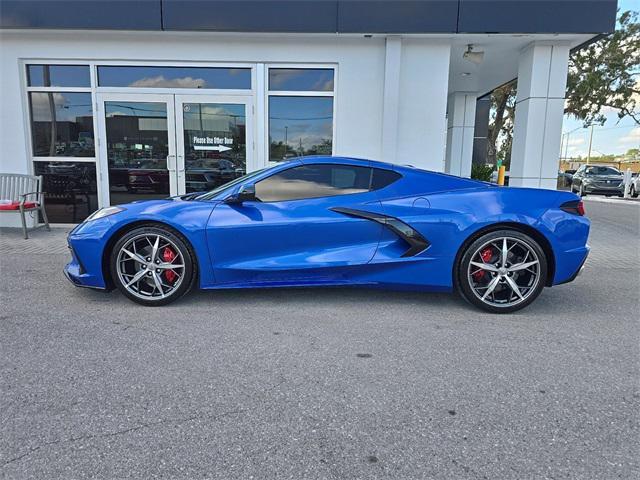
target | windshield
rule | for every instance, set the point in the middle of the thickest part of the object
(602, 171)
(216, 191)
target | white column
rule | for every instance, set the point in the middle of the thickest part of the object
(461, 115)
(542, 80)
(391, 99)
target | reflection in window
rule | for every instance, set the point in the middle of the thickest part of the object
(61, 124)
(313, 181)
(70, 190)
(301, 79)
(300, 126)
(174, 77)
(137, 149)
(214, 144)
(58, 76)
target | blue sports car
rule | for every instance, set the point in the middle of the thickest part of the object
(330, 221)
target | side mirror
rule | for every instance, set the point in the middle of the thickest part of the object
(247, 193)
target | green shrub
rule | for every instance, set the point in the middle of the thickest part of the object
(481, 171)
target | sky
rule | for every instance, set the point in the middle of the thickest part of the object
(614, 137)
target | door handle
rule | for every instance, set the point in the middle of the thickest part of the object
(171, 166)
(182, 166)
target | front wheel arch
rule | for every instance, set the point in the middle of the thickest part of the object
(115, 236)
(520, 227)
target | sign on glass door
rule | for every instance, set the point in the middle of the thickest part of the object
(214, 144)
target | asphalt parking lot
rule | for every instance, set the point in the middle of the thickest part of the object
(306, 384)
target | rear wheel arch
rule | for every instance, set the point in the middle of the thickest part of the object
(106, 254)
(520, 227)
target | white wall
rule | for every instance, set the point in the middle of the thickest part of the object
(424, 80)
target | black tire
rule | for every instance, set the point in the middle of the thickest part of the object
(581, 192)
(179, 242)
(463, 280)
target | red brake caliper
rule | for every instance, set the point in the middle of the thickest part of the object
(168, 255)
(486, 255)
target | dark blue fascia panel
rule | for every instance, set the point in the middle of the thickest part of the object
(313, 16)
(397, 16)
(86, 14)
(316, 16)
(537, 16)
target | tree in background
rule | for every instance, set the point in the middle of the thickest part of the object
(503, 100)
(604, 74)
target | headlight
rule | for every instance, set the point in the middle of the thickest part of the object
(588, 180)
(104, 212)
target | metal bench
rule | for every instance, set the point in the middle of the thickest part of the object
(21, 194)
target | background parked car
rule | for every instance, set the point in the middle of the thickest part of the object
(634, 188)
(598, 180)
(565, 178)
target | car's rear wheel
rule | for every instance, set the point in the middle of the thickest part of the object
(502, 271)
(152, 265)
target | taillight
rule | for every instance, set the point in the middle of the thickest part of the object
(574, 206)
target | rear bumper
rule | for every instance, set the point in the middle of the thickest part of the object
(577, 271)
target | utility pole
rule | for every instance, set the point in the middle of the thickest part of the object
(590, 143)
(286, 140)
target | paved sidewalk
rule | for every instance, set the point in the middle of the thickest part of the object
(327, 383)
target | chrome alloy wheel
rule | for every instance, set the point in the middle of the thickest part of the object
(150, 266)
(504, 272)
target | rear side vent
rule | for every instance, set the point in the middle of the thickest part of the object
(574, 206)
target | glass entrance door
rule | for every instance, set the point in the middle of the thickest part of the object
(213, 140)
(137, 147)
(155, 146)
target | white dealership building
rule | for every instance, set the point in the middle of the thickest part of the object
(113, 101)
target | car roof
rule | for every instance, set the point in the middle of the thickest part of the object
(351, 161)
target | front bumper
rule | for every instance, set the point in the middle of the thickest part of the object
(77, 274)
(86, 244)
(595, 189)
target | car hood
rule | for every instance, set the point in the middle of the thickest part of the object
(166, 209)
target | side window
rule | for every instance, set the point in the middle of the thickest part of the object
(313, 181)
(382, 178)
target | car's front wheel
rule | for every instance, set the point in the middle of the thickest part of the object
(153, 265)
(502, 271)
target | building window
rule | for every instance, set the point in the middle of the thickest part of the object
(61, 124)
(174, 77)
(300, 112)
(70, 190)
(58, 76)
(301, 79)
(61, 121)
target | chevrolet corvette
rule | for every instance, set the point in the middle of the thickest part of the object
(333, 221)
